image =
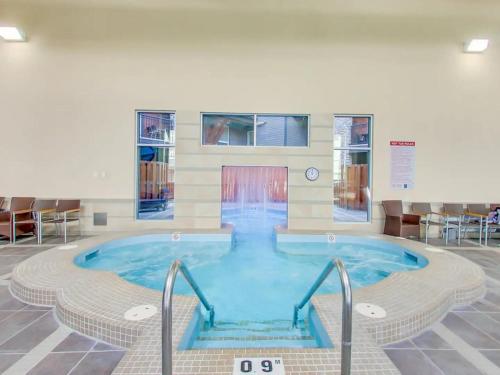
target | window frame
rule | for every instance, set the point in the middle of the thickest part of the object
(137, 146)
(255, 115)
(368, 149)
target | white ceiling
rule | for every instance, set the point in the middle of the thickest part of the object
(408, 20)
(363, 7)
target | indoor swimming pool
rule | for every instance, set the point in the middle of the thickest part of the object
(254, 278)
(253, 281)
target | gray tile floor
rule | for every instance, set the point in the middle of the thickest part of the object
(467, 340)
(48, 240)
(33, 342)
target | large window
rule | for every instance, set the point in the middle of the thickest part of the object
(352, 168)
(155, 165)
(255, 130)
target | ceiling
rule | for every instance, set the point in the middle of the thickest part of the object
(365, 7)
(349, 20)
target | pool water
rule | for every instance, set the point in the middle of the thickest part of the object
(254, 278)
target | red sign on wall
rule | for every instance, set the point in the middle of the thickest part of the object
(402, 164)
(403, 143)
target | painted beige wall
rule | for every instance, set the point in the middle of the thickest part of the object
(68, 97)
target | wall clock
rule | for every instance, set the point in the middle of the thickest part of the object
(312, 174)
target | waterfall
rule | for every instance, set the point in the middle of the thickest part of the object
(254, 200)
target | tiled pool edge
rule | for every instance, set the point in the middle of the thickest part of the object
(52, 279)
(414, 300)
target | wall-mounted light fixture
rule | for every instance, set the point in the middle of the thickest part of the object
(12, 34)
(476, 45)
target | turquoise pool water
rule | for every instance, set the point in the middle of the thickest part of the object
(253, 279)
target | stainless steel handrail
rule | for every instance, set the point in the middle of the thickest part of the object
(166, 313)
(345, 368)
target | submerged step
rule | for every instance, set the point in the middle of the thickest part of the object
(253, 334)
(276, 333)
(255, 329)
(255, 342)
(263, 323)
(252, 338)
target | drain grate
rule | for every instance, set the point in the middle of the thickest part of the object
(370, 310)
(141, 312)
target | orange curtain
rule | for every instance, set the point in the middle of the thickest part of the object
(255, 184)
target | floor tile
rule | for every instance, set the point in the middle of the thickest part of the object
(484, 323)
(412, 362)
(492, 284)
(482, 261)
(405, 344)
(7, 302)
(6, 269)
(468, 333)
(493, 273)
(57, 364)
(20, 251)
(55, 240)
(37, 308)
(12, 260)
(102, 346)
(464, 308)
(75, 343)
(430, 340)
(102, 363)
(495, 316)
(7, 360)
(31, 336)
(484, 305)
(493, 298)
(493, 356)
(451, 362)
(16, 322)
(5, 314)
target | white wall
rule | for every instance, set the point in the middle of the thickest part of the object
(68, 97)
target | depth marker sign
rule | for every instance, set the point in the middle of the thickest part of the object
(403, 164)
(258, 366)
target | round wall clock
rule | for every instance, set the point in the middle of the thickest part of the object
(312, 174)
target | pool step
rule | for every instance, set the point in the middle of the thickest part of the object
(252, 331)
(270, 334)
(255, 342)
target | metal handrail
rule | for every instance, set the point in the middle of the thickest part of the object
(166, 313)
(345, 368)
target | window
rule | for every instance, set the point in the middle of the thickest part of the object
(282, 130)
(352, 168)
(227, 130)
(155, 165)
(253, 129)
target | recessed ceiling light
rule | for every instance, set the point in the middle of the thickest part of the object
(12, 34)
(476, 45)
